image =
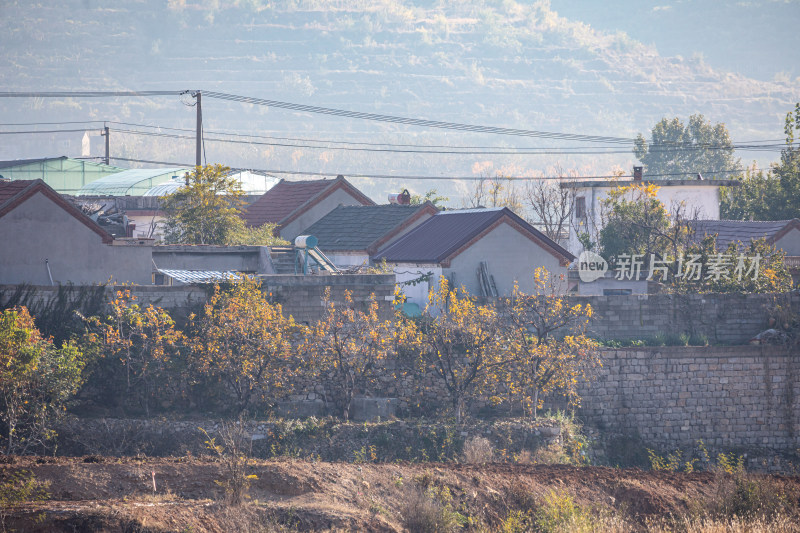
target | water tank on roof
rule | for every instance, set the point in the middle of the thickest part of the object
(306, 241)
(403, 198)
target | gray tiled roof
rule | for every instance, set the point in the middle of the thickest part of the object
(358, 227)
(744, 231)
(443, 234)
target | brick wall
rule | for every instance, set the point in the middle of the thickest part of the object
(730, 397)
(722, 318)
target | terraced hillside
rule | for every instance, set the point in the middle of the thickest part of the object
(508, 64)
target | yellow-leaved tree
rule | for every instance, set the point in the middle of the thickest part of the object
(138, 345)
(246, 342)
(36, 381)
(548, 343)
(461, 342)
(348, 345)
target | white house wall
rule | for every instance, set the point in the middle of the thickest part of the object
(790, 243)
(510, 256)
(39, 230)
(698, 201)
(417, 293)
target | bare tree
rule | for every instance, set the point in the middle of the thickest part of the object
(550, 205)
(495, 191)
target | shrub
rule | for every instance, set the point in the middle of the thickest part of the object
(233, 455)
(478, 450)
(422, 513)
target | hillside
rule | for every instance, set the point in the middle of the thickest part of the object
(504, 64)
(108, 494)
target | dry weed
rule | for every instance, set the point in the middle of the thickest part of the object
(478, 450)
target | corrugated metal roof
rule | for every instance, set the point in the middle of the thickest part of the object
(357, 227)
(134, 181)
(443, 234)
(21, 162)
(200, 276)
(252, 183)
(744, 231)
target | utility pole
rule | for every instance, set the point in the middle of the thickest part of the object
(104, 133)
(199, 140)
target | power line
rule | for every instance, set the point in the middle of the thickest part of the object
(459, 178)
(415, 121)
(85, 94)
(455, 150)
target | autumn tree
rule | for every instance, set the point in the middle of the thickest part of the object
(36, 380)
(139, 346)
(246, 342)
(348, 346)
(206, 210)
(460, 342)
(635, 221)
(547, 339)
(676, 151)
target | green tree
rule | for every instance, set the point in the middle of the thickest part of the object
(206, 210)
(771, 196)
(432, 196)
(36, 380)
(676, 151)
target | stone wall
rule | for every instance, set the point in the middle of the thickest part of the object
(736, 397)
(722, 318)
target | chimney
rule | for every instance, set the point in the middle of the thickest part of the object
(637, 173)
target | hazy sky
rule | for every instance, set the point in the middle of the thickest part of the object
(759, 38)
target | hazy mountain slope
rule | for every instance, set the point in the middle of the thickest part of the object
(482, 62)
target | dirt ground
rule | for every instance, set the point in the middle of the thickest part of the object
(111, 494)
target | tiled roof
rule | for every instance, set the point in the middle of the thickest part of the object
(286, 198)
(282, 200)
(445, 233)
(358, 227)
(729, 231)
(13, 193)
(9, 189)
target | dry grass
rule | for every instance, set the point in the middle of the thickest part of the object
(478, 450)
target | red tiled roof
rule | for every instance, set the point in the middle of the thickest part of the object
(9, 189)
(446, 234)
(287, 198)
(14, 193)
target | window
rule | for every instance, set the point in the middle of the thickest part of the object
(580, 207)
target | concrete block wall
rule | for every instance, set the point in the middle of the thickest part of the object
(729, 397)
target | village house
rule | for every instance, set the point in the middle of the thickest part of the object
(485, 250)
(697, 198)
(296, 205)
(352, 235)
(45, 240)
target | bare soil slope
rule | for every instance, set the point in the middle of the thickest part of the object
(108, 494)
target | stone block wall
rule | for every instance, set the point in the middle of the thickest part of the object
(722, 318)
(729, 397)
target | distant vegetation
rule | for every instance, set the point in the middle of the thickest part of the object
(511, 64)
